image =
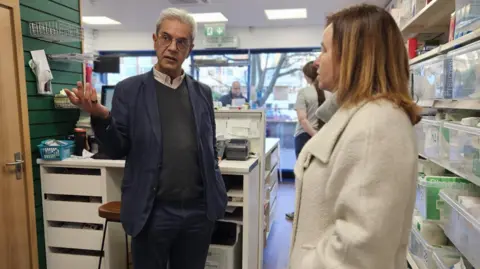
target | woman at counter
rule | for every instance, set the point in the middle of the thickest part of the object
(356, 178)
(308, 101)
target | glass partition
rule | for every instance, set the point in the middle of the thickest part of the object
(135, 65)
(219, 71)
(275, 79)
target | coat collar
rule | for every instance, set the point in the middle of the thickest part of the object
(166, 80)
(322, 144)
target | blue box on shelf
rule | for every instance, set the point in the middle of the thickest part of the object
(56, 150)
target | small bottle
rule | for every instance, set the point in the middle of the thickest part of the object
(80, 141)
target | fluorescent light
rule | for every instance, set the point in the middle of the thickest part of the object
(286, 14)
(209, 17)
(98, 20)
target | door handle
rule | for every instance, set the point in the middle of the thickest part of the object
(18, 164)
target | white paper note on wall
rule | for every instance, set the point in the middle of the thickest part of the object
(238, 128)
(221, 127)
(254, 129)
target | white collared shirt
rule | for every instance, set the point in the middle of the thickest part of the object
(166, 80)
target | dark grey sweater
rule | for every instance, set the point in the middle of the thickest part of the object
(180, 177)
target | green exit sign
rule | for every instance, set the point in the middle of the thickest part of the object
(214, 30)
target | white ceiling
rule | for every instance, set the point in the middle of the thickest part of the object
(141, 15)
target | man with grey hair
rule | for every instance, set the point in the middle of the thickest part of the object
(235, 93)
(163, 123)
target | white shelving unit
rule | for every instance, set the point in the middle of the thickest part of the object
(435, 18)
(272, 179)
(413, 263)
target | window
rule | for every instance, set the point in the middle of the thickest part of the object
(275, 79)
(132, 66)
(221, 70)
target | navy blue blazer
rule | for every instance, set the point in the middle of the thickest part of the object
(134, 130)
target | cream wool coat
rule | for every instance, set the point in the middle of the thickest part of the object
(355, 191)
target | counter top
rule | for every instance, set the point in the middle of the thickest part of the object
(270, 144)
(226, 166)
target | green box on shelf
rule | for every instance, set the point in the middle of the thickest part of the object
(428, 202)
(476, 163)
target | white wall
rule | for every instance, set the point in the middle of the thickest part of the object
(253, 38)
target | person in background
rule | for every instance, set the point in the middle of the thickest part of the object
(163, 122)
(308, 101)
(356, 178)
(235, 93)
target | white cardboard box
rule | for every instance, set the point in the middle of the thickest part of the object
(226, 257)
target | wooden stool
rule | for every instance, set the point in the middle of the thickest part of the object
(110, 212)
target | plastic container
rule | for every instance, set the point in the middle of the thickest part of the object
(444, 260)
(56, 153)
(424, 252)
(460, 226)
(467, 16)
(432, 79)
(464, 148)
(428, 201)
(435, 140)
(466, 71)
(420, 134)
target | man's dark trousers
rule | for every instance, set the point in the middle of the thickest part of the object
(178, 233)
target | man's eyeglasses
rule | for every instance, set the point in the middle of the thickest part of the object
(165, 40)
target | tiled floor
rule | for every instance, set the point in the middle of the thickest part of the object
(276, 254)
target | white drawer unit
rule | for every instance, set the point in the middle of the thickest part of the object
(79, 212)
(73, 230)
(272, 177)
(84, 185)
(272, 159)
(72, 261)
(273, 194)
(73, 238)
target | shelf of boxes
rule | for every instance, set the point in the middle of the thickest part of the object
(447, 78)
(452, 146)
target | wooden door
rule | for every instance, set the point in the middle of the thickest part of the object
(18, 246)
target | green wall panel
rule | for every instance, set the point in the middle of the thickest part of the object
(52, 129)
(60, 66)
(56, 87)
(36, 171)
(30, 43)
(40, 103)
(58, 77)
(45, 121)
(52, 116)
(73, 4)
(38, 193)
(51, 8)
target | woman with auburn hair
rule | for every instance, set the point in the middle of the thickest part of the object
(356, 178)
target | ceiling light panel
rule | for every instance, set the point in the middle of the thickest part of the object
(99, 20)
(286, 14)
(209, 17)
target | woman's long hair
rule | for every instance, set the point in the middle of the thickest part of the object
(369, 52)
(310, 71)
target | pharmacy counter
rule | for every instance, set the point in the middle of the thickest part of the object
(226, 166)
(73, 189)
